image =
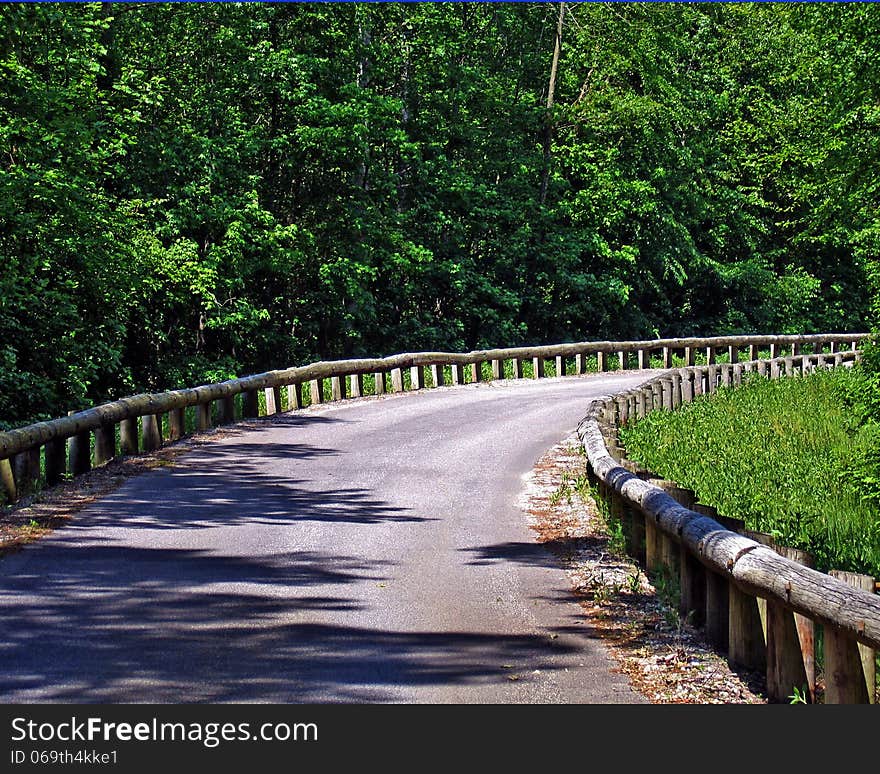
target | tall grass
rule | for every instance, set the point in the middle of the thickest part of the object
(792, 457)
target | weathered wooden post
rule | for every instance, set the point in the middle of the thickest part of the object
(226, 410)
(56, 460)
(834, 347)
(675, 390)
(726, 371)
(105, 445)
(753, 352)
(745, 645)
(689, 356)
(580, 363)
(150, 435)
(738, 374)
(26, 468)
(177, 423)
(717, 609)
(692, 583)
(774, 351)
(642, 358)
(437, 374)
(7, 481)
(774, 369)
(250, 404)
(818, 347)
(379, 383)
(128, 437)
(273, 400)
(849, 666)
(416, 377)
(621, 361)
(316, 391)
(457, 373)
(710, 355)
(667, 357)
(602, 361)
(517, 364)
(295, 395)
(642, 398)
(712, 378)
(733, 353)
(355, 385)
(79, 452)
(397, 380)
(537, 367)
(476, 372)
(788, 366)
(337, 388)
(497, 369)
(204, 421)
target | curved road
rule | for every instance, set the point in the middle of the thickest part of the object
(369, 551)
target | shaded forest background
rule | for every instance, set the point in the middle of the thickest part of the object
(189, 192)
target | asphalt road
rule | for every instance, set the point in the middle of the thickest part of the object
(370, 551)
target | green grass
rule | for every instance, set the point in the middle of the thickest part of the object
(788, 456)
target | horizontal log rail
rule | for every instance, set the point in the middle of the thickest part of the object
(723, 574)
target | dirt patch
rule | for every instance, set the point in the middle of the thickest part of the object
(667, 660)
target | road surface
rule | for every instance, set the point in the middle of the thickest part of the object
(369, 551)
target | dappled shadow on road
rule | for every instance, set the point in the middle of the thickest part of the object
(151, 625)
(544, 554)
(232, 484)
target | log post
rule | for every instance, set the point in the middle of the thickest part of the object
(745, 637)
(676, 389)
(692, 582)
(379, 383)
(537, 367)
(203, 416)
(176, 424)
(316, 391)
(602, 361)
(476, 372)
(355, 383)
(774, 351)
(774, 369)
(710, 355)
(226, 410)
(580, 363)
(250, 404)
(621, 361)
(79, 452)
(656, 396)
(653, 547)
(128, 437)
(437, 375)
(497, 369)
(273, 400)
(725, 369)
(643, 359)
(717, 609)
(7, 481)
(105, 445)
(795, 349)
(397, 380)
(26, 468)
(785, 662)
(788, 364)
(733, 353)
(753, 352)
(416, 378)
(689, 356)
(150, 436)
(295, 396)
(517, 368)
(738, 374)
(337, 388)
(712, 378)
(667, 394)
(849, 666)
(457, 374)
(667, 357)
(56, 461)
(642, 403)
(834, 347)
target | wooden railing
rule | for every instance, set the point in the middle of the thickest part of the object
(756, 600)
(46, 452)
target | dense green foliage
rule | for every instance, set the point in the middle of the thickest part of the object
(189, 191)
(793, 457)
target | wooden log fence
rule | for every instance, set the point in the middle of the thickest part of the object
(758, 601)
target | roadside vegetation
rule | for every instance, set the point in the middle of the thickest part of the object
(798, 458)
